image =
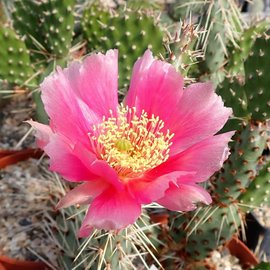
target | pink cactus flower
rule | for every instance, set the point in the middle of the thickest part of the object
(156, 146)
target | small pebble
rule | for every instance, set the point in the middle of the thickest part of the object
(225, 261)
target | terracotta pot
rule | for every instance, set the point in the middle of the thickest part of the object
(9, 157)
(11, 264)
(238, 249)
(2, 267)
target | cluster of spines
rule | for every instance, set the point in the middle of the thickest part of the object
(102, 249)
(240, 52)
(214, 42)
(257, 193)
(181, 51)
(211, 228)
(241, 167)
(220, 23)
(196, 234)
(248, 94)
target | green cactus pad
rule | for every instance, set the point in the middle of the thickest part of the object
(240, 168)
(180, 9)
(46, 25)
(129, 32)
(216, 41)
(214, 226)
(221, 23)
(250, 96)
(198, 233)
(15, 65)
(239, 54)
(102, 249)
(257, 194)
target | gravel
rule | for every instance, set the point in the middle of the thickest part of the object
(13, 128)
(25, 203)
(225, 261)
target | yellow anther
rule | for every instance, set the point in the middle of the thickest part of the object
(132, 143)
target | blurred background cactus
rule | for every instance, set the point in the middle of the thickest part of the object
(204, 40)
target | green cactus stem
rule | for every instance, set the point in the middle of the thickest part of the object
(249, 97)
(241, 167)
(46, 25)
(15, 66)
(257, 193)
(238, 54)
(131, 32)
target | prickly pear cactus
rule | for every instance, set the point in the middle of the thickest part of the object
(257, 193)
(242, 176)
(241, 167)
(239, 54)
(250, 97)
(65, 230)
(198, 233)
(210, 228)
(220, 23)
(216, 40)
(194, 235)
(46, 25)
(181, 49)
(202, 231)
(15, 65)
(131, 32)
(101, 250)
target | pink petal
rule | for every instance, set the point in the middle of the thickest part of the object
(83, 193)
(43, 133)
(151, 187)
(77, 97)
(111, 210)
(85, 231)
(76, 163)
(64, 160)
(201, 114)
(98, 167)
(103, 170)
(184, 197)
(203, 158)
(156, 87)
(95, 81)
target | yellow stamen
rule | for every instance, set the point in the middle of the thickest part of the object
(131, 143)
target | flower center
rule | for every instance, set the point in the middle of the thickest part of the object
(123, 145)
(131, 143)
